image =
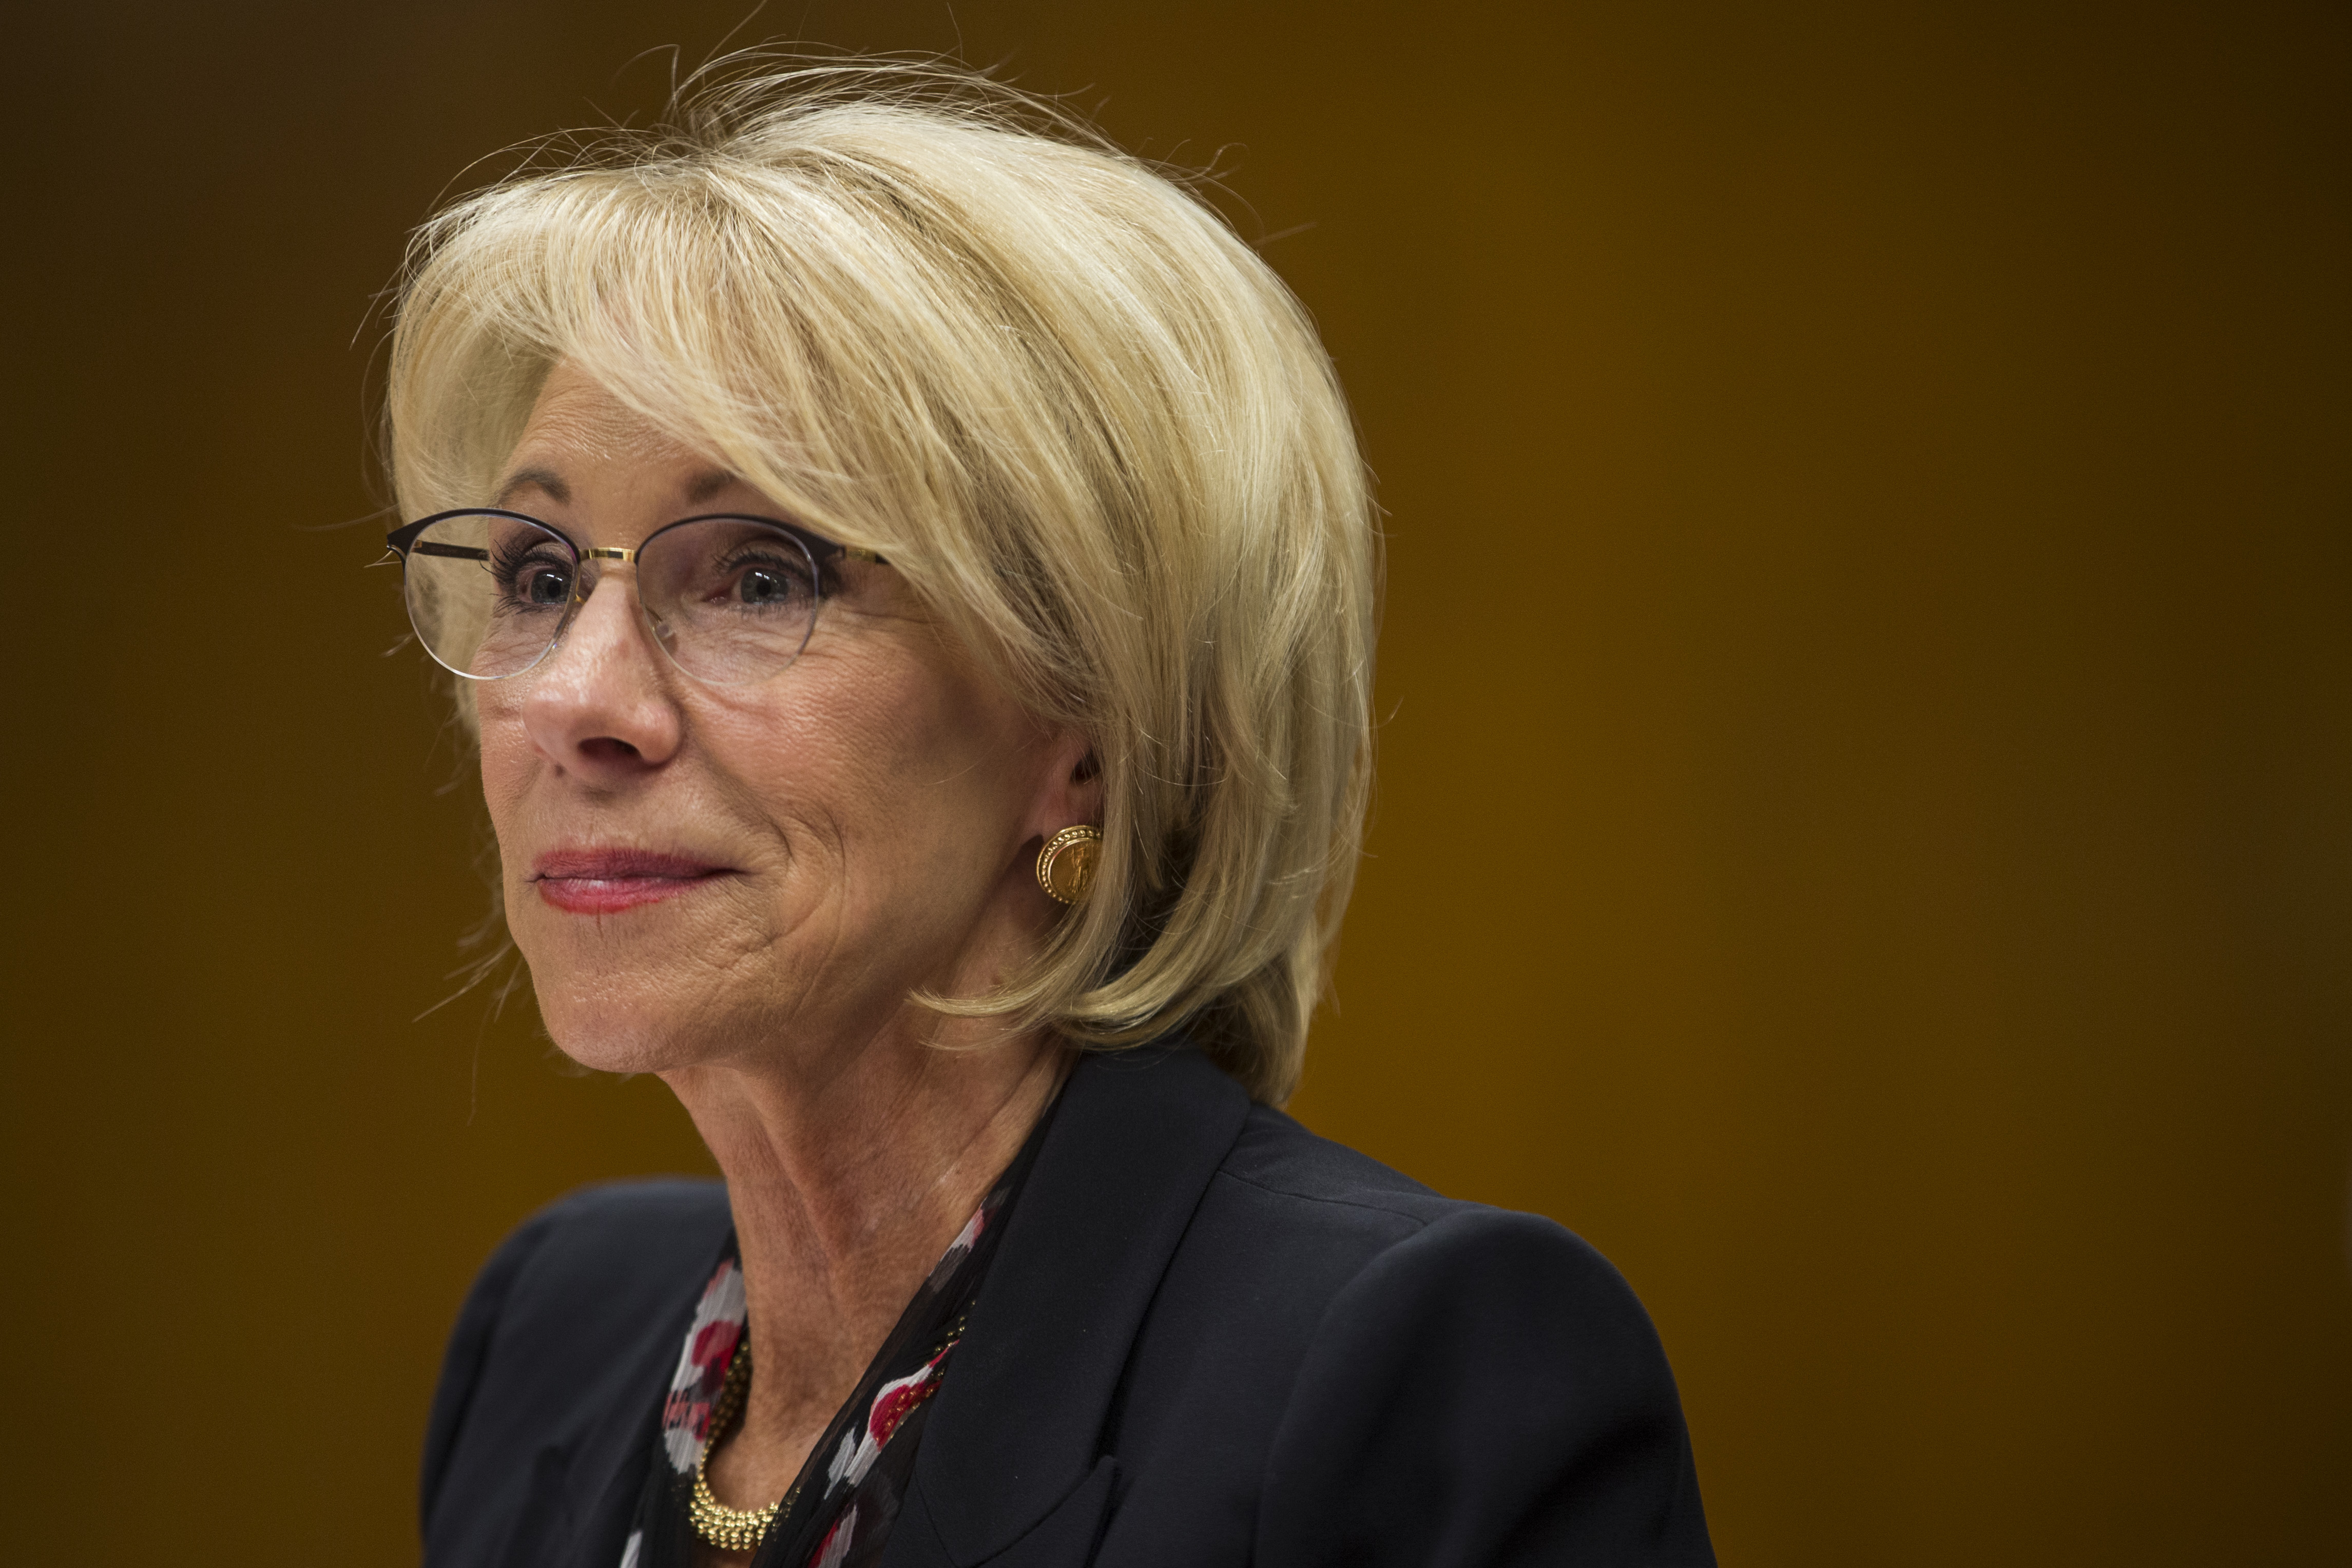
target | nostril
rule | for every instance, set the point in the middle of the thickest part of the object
(606, 748)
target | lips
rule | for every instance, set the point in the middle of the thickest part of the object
(605, 882)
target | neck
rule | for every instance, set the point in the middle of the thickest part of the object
(847, 1180)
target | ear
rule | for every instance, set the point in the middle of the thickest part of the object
(1070, 789)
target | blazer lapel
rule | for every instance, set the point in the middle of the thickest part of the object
(607, 1471)
(1018, 1420)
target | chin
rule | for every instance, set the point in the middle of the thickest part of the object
(613, 1026)
(606, 1045)
(602, 1052)
(628, 993)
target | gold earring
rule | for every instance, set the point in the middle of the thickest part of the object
(1065, 866)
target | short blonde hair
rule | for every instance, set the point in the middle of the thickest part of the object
(942, 319)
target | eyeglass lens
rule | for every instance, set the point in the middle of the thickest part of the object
(730, 598)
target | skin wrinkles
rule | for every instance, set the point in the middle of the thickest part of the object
(873, 813)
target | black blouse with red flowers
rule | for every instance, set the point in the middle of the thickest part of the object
(847, 1495)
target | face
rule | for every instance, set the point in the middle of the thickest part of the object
(701, 874)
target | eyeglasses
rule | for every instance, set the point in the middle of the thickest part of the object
(730, 598)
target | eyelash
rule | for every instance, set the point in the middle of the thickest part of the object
(508, 561)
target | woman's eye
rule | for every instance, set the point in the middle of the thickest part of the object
(532, 581)
(759, 585)
(541, 585)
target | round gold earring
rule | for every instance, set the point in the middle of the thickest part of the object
(1065, 866)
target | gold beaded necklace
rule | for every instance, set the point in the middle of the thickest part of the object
(731, 1528)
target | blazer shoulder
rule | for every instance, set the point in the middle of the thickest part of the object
(1471, 1264)
(1290, 1219)
(1281, 1158)
(1371, 1374)
(1500, 1359)
(588, 1248)
(568, 1293)
(1405, 1251)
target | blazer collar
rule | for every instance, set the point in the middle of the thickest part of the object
(1018, 1419)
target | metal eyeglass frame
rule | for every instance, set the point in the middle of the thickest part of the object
(822, 553)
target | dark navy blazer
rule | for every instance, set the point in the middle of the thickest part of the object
(1210, 1338)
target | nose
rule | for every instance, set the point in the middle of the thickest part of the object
(599, 707)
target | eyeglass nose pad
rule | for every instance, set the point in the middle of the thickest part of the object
(587, 577)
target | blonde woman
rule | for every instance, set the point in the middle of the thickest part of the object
(909, 572)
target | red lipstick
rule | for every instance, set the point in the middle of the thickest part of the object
(605, 882)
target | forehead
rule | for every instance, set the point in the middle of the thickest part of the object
(581, 441)
(576, 417)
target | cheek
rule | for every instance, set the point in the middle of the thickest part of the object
(827, 770)
(898, 768)
(506, 761)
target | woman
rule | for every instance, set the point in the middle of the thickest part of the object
(910, 575)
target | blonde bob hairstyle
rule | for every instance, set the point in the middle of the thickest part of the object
(936, 317)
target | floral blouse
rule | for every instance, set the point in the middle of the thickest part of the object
(848, 1494)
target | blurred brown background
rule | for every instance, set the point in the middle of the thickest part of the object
(1863, 825)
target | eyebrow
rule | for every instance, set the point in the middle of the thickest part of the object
(545, 479)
